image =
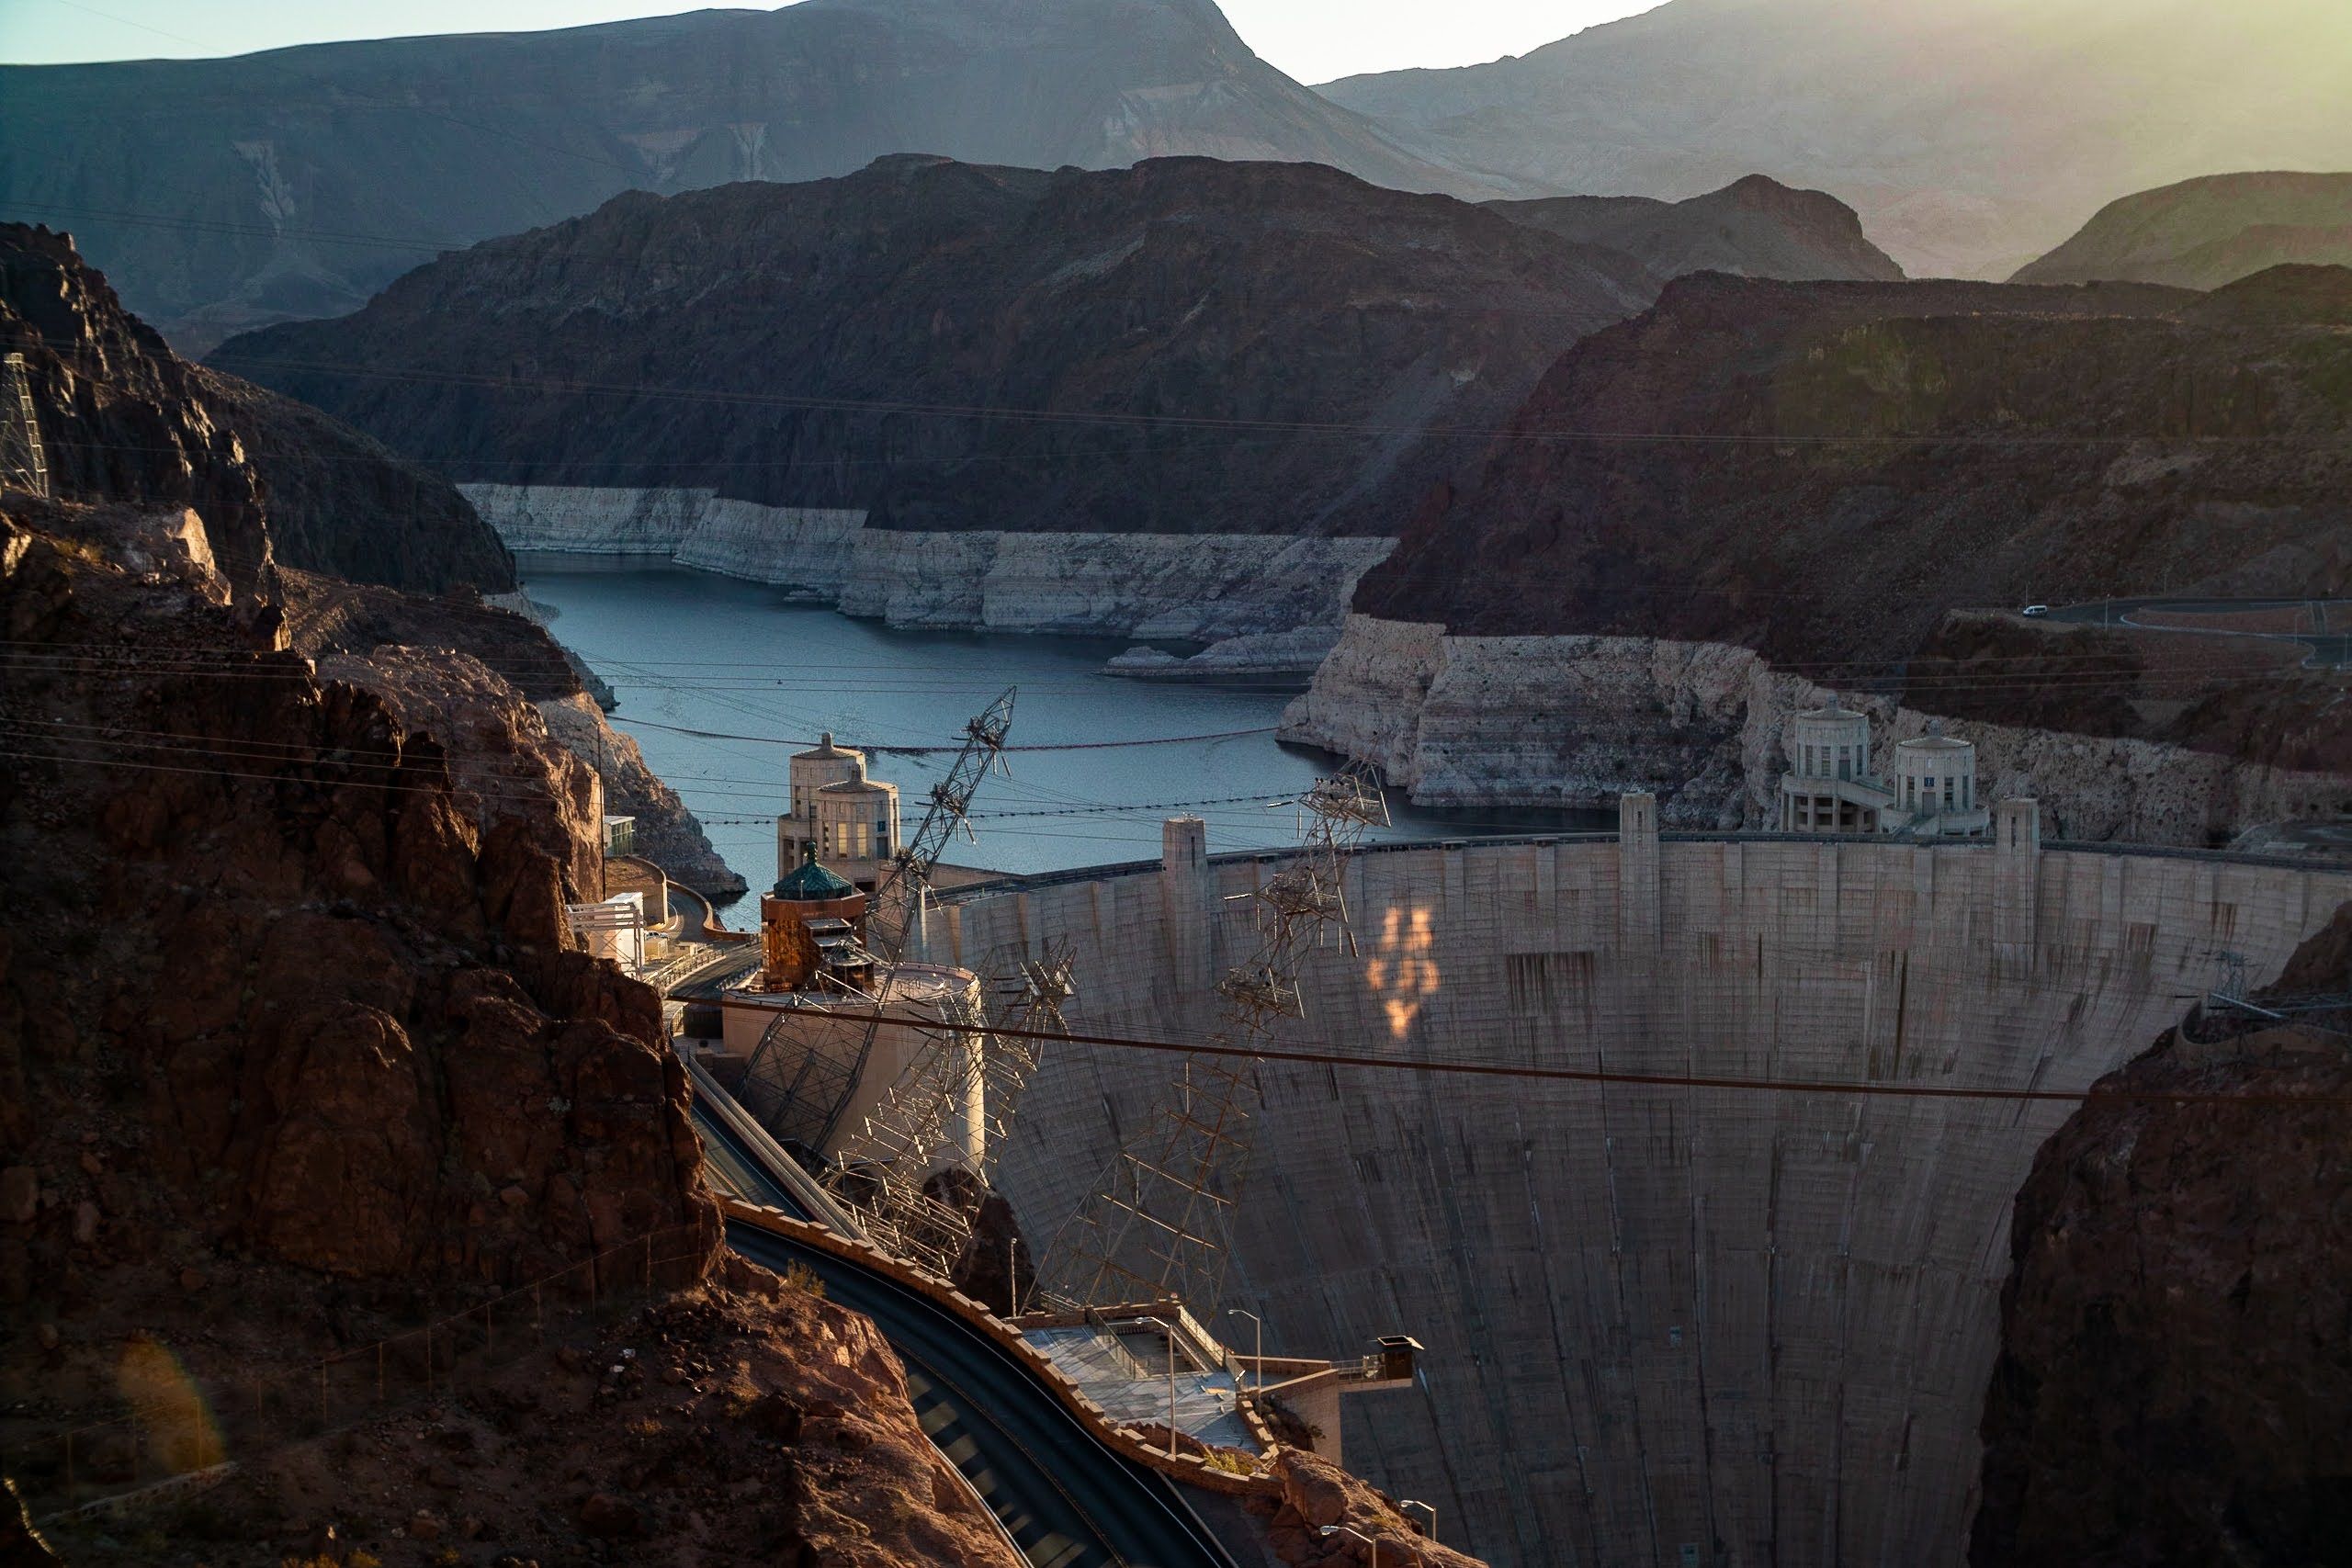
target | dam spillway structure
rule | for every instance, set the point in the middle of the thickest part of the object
(1666, 1323)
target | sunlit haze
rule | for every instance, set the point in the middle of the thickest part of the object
(1313, 40)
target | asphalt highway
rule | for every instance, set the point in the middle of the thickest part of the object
(1065, 1500)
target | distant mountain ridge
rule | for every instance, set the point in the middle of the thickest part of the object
(226, 194)
(1972, 135)
(1186, 347)
(2206, 233)
(1820, 470)
(1755, 227)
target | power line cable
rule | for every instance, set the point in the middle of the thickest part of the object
(1331, 1058)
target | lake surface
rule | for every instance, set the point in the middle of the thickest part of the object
(690, 650)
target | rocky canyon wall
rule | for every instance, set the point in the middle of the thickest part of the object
(1175, 587)
(1576, 721)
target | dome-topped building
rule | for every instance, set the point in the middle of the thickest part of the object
(1831, 785)
(849, 820)
(1934, 786)
(811, 925)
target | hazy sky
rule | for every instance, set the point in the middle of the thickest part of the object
(1313, 40)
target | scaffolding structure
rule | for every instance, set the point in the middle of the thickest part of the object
(799, 1080)
(23, 465)
(951, 1110)
(1160, 1225)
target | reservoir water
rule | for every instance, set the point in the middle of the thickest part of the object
(760, 677)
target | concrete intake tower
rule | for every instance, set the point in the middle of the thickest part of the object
(1666, 1325)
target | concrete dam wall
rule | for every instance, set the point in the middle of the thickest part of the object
(1665, 1325)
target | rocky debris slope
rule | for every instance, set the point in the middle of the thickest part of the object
(2203, 233)
(123, 418)
(1822, 471)
(343, 164)
(1576, 721)
(295, 1053)
(1972, 134)
(2174, 1386)
(750, 1421)
(1184, 347)
(1755, 227)
(1318, 1495)
(459, 657)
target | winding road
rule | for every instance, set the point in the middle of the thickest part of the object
(1065, 1500)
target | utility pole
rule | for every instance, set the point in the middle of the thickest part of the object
(1162, 1224)
(1171, 1388)
(1258, 1377)
(23, 465)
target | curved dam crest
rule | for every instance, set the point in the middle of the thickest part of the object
(1664, 1325)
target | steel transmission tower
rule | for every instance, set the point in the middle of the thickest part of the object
(23, 465)
(800, 1077)
(1160, 1227)
(951, 1111)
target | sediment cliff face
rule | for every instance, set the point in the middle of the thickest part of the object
(1576, 721)
(1184, 347)
(1173, 586)
(2172, 1387)
(123, 418)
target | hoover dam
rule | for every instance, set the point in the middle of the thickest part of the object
(1665, 1324)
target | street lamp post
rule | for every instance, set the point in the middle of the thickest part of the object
(1172, 1389)
(1258, 1371)
(1416, 1503)
(1329, 1530)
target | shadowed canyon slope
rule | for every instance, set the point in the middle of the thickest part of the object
(225, 194)
(1187, 346)
(124, 418)
(1971, 134)
(1821, 471)
(2204, 233)
(2172, 1384)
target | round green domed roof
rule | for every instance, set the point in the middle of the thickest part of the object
(812, 884)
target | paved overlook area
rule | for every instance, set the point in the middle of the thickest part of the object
(1753, 1326)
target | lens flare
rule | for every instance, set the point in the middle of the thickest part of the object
(176, 1422)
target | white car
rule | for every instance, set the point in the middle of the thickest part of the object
(2035, 610)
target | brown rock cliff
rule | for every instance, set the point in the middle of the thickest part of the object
(2174, 1385)
(331, 1010)
(123, 418)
